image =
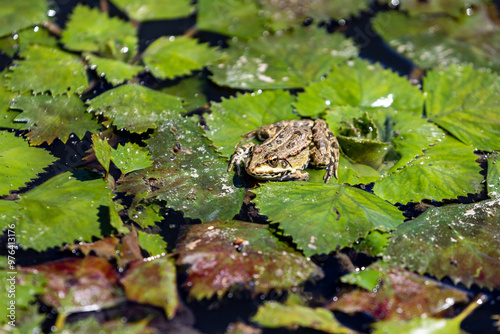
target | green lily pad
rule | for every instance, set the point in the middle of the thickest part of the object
(187, 173)
(493, 177)
(457, 241)
(88, 29)
(169, 57)
(114, 71)
(230, 254)
(234, 117)
(152, 243)
(322, 218)
(149, 10)
(434, 175)
(288, 60)
(50, 117)
(359, 84)
(135, 108)
(398, 294)
(45, 69)
(191, 90)
(466, 103)
(17, 15)
(131, 157)
(153, 282)
(19, 163)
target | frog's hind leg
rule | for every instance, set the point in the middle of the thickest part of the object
(239, 156)
(325, 150)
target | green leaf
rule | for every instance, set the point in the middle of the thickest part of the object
(434, 175)
(7, 116)
(366, 279)
(14, 43)
(457, 241)
(146, 213)
(47, 69)
(152, 243)
(148, 10)
(43, 222)
(135, 108)
(234, 117)
(230, 254)
(466, 103)
(114, 71)
(114, 217)
(169, 57)
(493, 177)
(191, 90)
(102, 151)
(131, 157)
(360, 84)
(50, 117)
(153, 282)
(288, 60)
(91, 30)
(321, 218)
(19, 163)
(374, 244)
(187, 173)
(113, 326)
(451, 7)
(275, 315)
(16, 15)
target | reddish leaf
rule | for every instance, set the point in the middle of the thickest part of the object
(105, 247)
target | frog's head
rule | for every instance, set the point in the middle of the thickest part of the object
(268, 166)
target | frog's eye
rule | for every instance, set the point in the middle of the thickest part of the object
(272, 159)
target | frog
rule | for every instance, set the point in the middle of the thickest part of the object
(287, 148)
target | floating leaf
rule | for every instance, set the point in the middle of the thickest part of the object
(367, 279)
(458, 241)
(400, 294)
(493, 178)
(114, 71)
(17, 15)
(275, 315)
(288, 60)
(7, 116)
(135, 108)
(322, 218)
(131, 157)
(19, 163)
(88, 29)
(45, 69)
(187, 173)
(146, 213)
(234, 117)
(50, 117)
(191, 90)
(148, 10)
(434, 175)
(153, 282)
(229, 254)
(169, 57)
(113, 326)
(374, 244)
(105, 247)
(18, 42)
(152, 243)
(451, 7)
(461, 99)
(102, 151)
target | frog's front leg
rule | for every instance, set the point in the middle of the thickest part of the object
(239, 156)
(299, 175)
(325, 150)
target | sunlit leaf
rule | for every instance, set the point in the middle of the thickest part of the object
(374, 244)
(102, 151)
(288, 60)
(152, 243)
(230, 254)
(7, 116)
(360, 84)
(168, 57)
(398, 294)
(146, 213)
(451, 7)
(114, 71)
(130, 157)
(493, 178)
(50, 117)
(18, 42)
(466, 103)
(367, 279)
(457, 241)
(147, 10)
(45, 69)
(135, 108)
(16, 15)
(105, 247)
(88, 29)
(322, 218)
(191, 90)
(114, 216)
(153, 282)
(234, 117)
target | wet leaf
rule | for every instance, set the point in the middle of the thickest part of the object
(7, 116)
(105, 247)
(91, 325)
(135, 108)
(374, 244)
(50, 117)
(152, 243)
(434, 175)
(18, 42)
(16, 15)
(169, 57)
(153, 282)
(359, 84)
(102, 151)
(187, 173)
(457, 241)
(348, 172)
(366, 279)
(234, 117)
(78, 284)
(114, 71)
(493, 178)
(148, 10)
(275, 315)
(146, 213)
(191, 90)
(45, 69)
(460, 99)
(451, 7)
(322, 218)
(400, 295)
(131, 157)
(227, 255)
(19, 163)
(88, 29)
(288, 60)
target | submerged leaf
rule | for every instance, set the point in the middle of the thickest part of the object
(148, 10)
(322, 218)
(229, 254)
(16, 15)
